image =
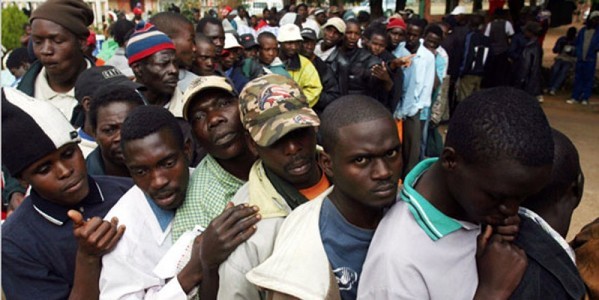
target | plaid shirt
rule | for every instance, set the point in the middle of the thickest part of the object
(210, 188)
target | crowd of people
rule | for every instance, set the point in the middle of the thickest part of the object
(295, 155)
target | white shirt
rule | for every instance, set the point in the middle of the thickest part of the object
(403, 262)
(323, 54)
(127, 270)
(65, 102)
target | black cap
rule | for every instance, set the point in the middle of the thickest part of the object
(93, 78)
(308, 33)
(247, 41)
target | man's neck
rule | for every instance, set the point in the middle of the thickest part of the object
(157, 98)
(433, 187)
(64, 86)
(414, 49)
(324, 47)
(355, 213)
(240, 165)
(87, 126)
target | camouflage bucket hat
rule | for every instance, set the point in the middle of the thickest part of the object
(272, 106)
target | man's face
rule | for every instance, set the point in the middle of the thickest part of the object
(332, 36)
(308, 47)
(290, 49)
(159, 72)
(59, 177)
(20, 71)
(432, 42)
(396, 36)
(158, 167)
(214, 118)
(321, 18)
(185, 45)
(366, 163)
(414, 33)
(217, 34)
(229, 58)
(481, 189)
(302, 11)
(205, 58)
(377, 44)
(59, 50)
(266, 14)
(352, 36)
(269, 49)
(250, 52)
(108, 130)
(293, 157)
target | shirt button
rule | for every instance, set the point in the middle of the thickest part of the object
(81, 209)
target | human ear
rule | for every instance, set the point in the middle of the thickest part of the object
(85, 103)
(137, 70)
(326, 163)
(448, 159)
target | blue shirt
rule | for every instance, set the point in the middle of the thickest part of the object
(419, 79)
(346, 246)
(38, 245)
(163, 216)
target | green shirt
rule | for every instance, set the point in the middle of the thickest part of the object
(210, 188)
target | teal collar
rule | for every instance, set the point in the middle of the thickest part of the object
(430, 219)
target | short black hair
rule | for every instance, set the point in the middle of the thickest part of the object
(109, 94)
(205, 21)
(348, 110)
(363, 16)
(565, 171)
(265, 34)
(17, 58)
(418, 22)
(121, 30)
(149, 119)
(376, 31)
(501, 123)
(352, 21)
(434, 29)
(169, 22)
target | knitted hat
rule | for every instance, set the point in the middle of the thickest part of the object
(74, 15)
(396, 23)
(145, 41)
(37, 121)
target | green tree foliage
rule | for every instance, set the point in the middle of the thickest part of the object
(13, 20)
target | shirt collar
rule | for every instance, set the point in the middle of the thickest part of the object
(163, 216)
(434, 223)
(56, 213)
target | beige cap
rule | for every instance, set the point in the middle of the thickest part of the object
(289, 33)
(337, 23)
(231, 41)
(204, 83)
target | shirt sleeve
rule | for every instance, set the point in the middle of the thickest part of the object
(509, 29)
(23, 277)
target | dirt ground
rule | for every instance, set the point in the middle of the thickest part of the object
(581, 125)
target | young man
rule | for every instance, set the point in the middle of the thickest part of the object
(460, 210)
(212, 28)
(419, 79)
(212, 110)
(42, 256)
(18, 63)
(86, 85)
(250, 47)
(230, 63)
(268, 61)
(206, 56)
(587, 47)
(328, 80)
(157, 158)
(282, 130)
(59, 34)
(299, 67)
(333, 30)
(323, 244)
(180, 30)
(107, 112)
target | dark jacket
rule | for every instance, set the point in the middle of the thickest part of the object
(239, 80)
(477, 51)
(593, 47)
(528, 72)
(454, 45)
(550, 273)
(353, 70)
(330, 86)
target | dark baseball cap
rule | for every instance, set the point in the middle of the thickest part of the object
(247, 41)
(90, 80)
(308, 33)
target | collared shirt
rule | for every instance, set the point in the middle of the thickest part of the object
(547, 228)
(65, 102)
(185, 79)
(210, 188)
(420, 253)
(38, 246)
(163, 216)
(419, 80)
(127, 270)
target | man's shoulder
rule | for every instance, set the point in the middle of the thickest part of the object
(113, 186)
(127, 206)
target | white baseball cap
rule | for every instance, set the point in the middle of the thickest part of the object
(289, 33)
